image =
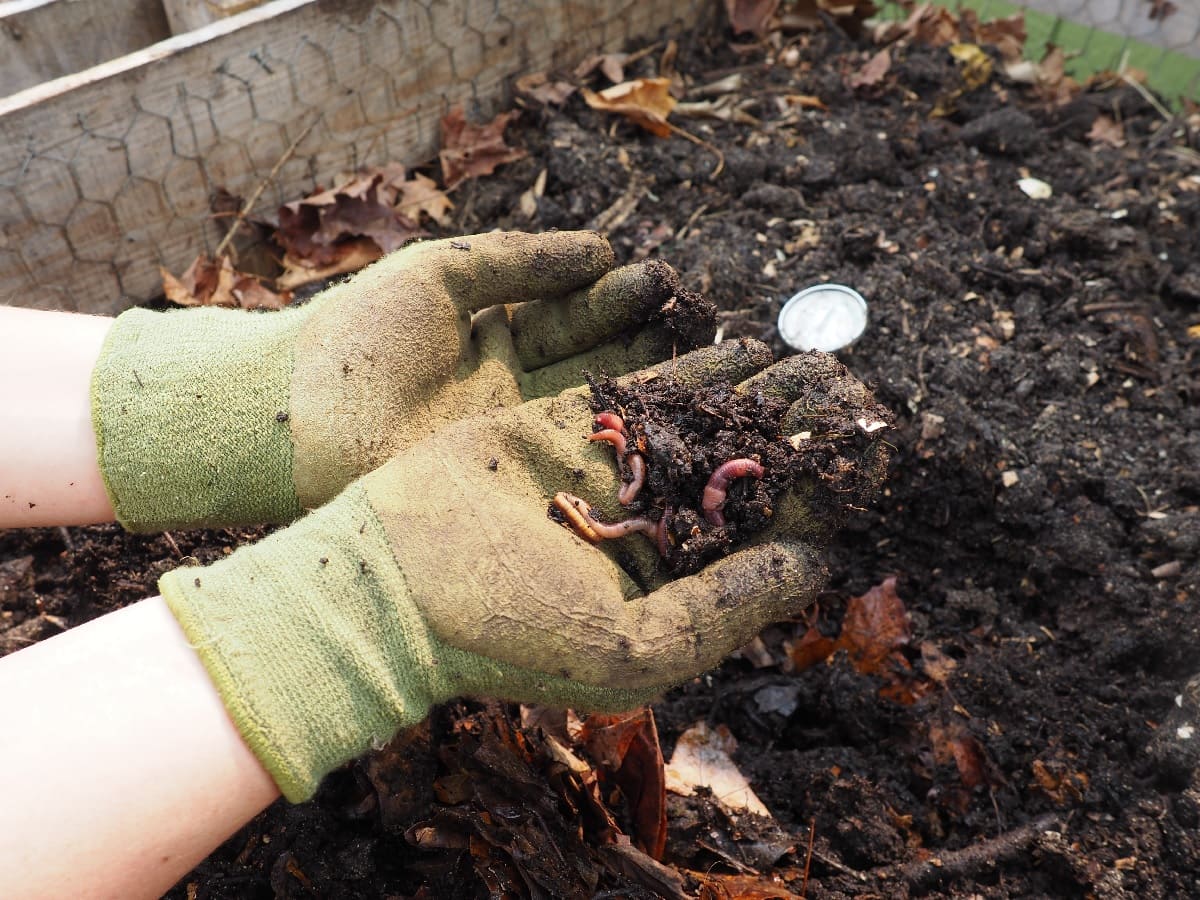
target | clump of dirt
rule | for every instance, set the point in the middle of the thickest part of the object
(688, 318)
(821, 436)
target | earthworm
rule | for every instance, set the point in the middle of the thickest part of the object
(718, 486)
(578, 513)
(610, 420)
(637, 470)
(613, 431)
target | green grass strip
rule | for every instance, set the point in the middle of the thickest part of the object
(1172, 75)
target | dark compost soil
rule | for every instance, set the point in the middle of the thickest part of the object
(1040, 514)
(687, 435)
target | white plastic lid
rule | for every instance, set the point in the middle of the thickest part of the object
(823, 317)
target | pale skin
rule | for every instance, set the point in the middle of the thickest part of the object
(119, 767)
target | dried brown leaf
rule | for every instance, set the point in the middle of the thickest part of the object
(812, 648)
(470, 150)
(873, 71)
(542, 89)
(751, 16)
(627, 745)
(422, 195)
(215, 282)
(645, 101)
(347, 256)
(874, 629)
(1107, 130)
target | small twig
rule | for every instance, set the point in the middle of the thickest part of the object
(253, 198)
(1141, 89)
(812, 834)
(683, 133)
(171, 541)
(968, 860)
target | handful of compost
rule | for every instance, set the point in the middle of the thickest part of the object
(703, 467)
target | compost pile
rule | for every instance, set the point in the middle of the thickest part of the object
(989, 700)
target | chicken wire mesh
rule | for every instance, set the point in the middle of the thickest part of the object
(106, 180)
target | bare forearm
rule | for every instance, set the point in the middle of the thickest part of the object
(121, 767)
(48, 469)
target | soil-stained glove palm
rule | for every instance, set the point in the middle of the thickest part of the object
(440, 574)
(221, 417)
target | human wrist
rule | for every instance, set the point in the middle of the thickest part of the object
(190, 411)
(311, 640)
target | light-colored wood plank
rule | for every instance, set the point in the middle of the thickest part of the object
(188, 15)
(45, 39)
(106, 175)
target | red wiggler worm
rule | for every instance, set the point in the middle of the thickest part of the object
(718, 486)
(613, 431)
(578, 513)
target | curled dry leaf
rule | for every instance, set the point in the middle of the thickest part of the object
(215, 282)
(627, 746)
(543, 90)
(645, 101)
(702, 759)
(470, 150)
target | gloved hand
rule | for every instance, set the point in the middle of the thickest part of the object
(440, 574)
(223, 417)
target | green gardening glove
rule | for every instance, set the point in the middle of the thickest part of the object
(224, 417)
(440, 574)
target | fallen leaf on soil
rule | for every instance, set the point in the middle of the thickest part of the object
(974, 65)
(702, 759)
(469, 150)
(422, 195)
(1006, 35)
(353, 223)
(873, 71)
(751, 16)
(717, 886)
(936, 664)
(611, 64)
(215, 282)
(353, 255)
(726, 109)
(812, 648)
(542, 89)
(952, 743)
(1058, 782)
(1052, 83)
(874, 629)
(805, 101)
(1107, 130)
(627, 746)
(644, 101)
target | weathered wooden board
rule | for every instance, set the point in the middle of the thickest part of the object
(44, 39)
(188, 15)
(107, 174)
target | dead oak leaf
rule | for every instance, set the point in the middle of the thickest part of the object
(644, 101)
(470, 150)
(345, 256)
(215, 282)
(422, 195)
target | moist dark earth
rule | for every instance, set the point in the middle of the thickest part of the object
(1040, 514)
